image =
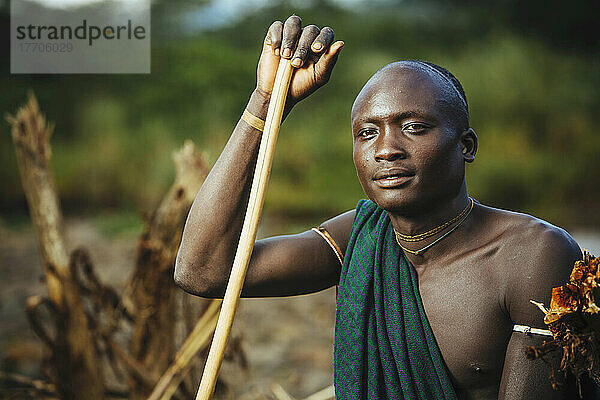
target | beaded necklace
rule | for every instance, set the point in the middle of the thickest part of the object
(464, 214)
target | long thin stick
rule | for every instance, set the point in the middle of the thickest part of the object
(248, 235)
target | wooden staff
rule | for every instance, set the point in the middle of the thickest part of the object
(248, 235)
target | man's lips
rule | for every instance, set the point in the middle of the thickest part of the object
(392, 177)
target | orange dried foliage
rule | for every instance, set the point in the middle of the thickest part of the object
(574, 320)
(579, 294)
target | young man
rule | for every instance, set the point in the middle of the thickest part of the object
(432, 282)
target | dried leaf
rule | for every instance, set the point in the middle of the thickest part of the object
(574, 320)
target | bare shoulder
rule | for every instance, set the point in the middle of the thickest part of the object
(533, 239)
(536, 256)
(340, 227)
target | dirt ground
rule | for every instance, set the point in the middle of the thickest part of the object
(287, 341)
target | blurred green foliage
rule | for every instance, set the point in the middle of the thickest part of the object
(533, 105)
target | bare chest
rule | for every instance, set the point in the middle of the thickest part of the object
(463, 303)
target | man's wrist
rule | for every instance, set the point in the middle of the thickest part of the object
(258, 104)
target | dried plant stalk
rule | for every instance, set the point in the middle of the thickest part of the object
(43, 388)
(325, 394)
(74, 363)
(196, 341)
(31, 135)
(151, 289)
(280, 393)
(85, 314)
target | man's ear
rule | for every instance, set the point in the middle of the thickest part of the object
(468, 142)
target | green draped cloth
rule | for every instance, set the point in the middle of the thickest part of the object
(384, 346)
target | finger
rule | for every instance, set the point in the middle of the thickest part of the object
(327, 61)
(273, 38)
(323, 41)
(309, 33)
(291, 31)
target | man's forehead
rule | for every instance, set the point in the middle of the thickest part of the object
(400, 85)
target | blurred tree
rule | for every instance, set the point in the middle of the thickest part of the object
(531, 86)
(564, 24)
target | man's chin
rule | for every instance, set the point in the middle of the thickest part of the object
(393, 202)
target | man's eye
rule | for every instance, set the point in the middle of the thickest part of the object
(414, 127)
(367, 133)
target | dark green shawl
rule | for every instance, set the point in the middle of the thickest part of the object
(384, 346)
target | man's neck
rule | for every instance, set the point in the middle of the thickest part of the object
(432, 219)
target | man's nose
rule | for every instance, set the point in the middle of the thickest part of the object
(388, 147)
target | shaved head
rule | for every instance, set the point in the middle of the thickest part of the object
(446, 88)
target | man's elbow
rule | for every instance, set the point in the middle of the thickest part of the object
(191, 279)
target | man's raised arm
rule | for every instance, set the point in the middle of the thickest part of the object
(279, 266)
